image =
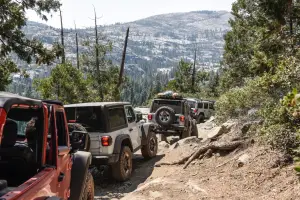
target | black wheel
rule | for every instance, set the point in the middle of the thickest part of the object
(201, 117)
(150, 150)
(122, 170)
(194, 128)
(88, 190)
(165, 116)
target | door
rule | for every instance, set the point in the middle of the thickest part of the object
(132, 127)
(63, 158)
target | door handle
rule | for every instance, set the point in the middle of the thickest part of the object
(131, 129)
(61, 177)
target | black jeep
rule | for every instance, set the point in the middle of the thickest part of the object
(172, 116)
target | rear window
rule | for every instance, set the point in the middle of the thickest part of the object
(176, 105)
(200, 105)
(89, 117)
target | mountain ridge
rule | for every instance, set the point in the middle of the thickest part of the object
(156, 42)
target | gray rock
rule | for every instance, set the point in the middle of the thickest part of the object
(164, 145)
(174, 146)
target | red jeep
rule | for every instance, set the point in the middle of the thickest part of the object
(37, 159)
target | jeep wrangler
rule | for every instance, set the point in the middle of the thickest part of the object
(116, 133)
(37, 158)
(172, 116)
(201, 109)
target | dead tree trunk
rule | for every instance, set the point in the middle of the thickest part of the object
(117, 92)
(123, 59)
(97, 57)
(63, 57)
(77, 48)
(194, 72)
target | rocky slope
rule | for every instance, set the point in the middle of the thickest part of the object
(250, 171)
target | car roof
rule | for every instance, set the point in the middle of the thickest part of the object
(94, 104)
(8, 99)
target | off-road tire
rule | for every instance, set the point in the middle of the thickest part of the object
(201, 117)
(121, 171)
(194, 128)
(150, 149)
(187, 133)
(171, 112)
(88, 190)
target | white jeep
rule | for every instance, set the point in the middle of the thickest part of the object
(116, 132)
(201, 109)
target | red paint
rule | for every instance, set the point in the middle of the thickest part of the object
(2, 121)
(45, 133)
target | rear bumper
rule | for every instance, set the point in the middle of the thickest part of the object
(173, 130)
(105, 160)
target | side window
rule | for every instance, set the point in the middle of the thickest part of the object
(205, 105)
(117, 118)
(61, 129)
(200, 105)
(130, 114)
(211, 106)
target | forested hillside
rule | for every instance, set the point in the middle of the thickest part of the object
(155, 47)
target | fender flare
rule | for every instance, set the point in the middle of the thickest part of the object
(80, 168)
(145, 129)
(118, 143)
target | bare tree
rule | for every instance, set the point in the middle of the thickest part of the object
(77, 49)
(63, 58)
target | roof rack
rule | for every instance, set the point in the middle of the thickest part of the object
(169, 95)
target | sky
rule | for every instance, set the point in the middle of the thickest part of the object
(113, 11)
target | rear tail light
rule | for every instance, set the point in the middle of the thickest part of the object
(150, 116)
(195, 110)
(106, 141)
(72, 121)
(181, 118)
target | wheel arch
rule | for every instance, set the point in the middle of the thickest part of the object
(81, 163)
(122, 140)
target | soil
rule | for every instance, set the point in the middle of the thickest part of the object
(263, 176)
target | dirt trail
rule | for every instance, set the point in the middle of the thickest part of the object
(261, 177)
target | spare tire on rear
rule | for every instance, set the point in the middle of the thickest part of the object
(165, 116)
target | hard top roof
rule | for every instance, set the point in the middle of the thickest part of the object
(8, 99)
(93, 104)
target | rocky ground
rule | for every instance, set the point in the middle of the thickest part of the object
(245, 171)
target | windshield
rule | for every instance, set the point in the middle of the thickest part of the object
(176, 105)
(89, 117)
